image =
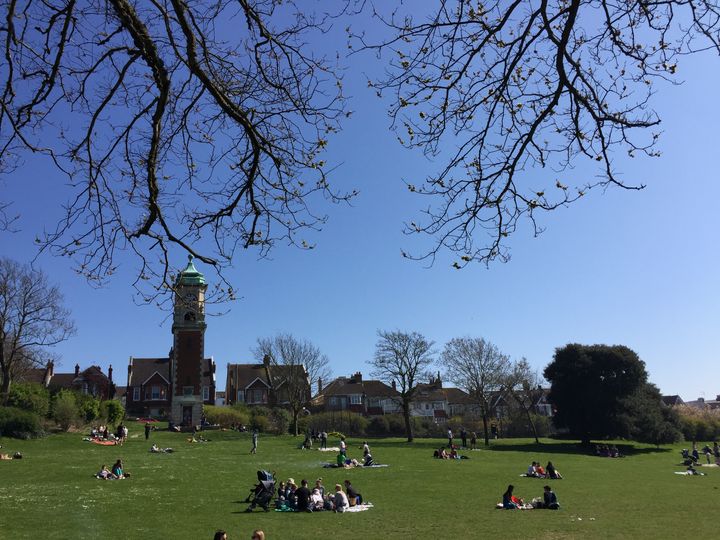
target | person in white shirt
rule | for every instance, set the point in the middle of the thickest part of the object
(341, 500)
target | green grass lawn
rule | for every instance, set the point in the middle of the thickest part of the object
(189, 494)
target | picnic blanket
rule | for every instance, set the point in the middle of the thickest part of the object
(102, 443)
(360, 466)
(688, 473)
(360, 507)
(331, 449)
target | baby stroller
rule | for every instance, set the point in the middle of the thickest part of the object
(263, 492)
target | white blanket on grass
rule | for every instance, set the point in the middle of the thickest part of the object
(360, 507)
(331, 449)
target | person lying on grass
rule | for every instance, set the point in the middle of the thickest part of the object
(8, 457)
(155, 449)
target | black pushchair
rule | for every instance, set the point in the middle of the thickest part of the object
(263, 492)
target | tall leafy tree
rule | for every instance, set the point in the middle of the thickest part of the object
(32, 318)
(524, 388)
(478, 367)
(403, 359)
(589, 386)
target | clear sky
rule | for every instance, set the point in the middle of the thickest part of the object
(620, 267)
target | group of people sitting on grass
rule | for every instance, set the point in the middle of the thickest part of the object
(603, 450)
(442, 453)
(345, 462)
(535, 470)
(290, 497)
(102, 433)
(8, 457)
(117, 472)
(548, 501)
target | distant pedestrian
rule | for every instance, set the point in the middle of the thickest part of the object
(148, 427)
(463, 437)
(253, 450)
(450, 437)
(323, 439)
(473, 440)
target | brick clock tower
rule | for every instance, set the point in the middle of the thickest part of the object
(188, 347)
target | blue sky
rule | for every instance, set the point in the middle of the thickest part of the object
(620, 267)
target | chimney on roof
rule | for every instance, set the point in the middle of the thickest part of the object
(356, 377)
(77, 369)
(319, 385)
(394, 385)
(110, 373)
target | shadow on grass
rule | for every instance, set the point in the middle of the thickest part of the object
(507, 445)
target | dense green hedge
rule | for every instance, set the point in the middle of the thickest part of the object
(19, 424)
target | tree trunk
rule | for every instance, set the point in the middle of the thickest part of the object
(485, 429)
(408, 424)
(5, 390)
(296, 414)
(532, 426)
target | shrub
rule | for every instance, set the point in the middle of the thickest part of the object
(30, 397)
(378, 426)
(225, 416)
(19, 424)
(112, 410)
(279, 421)
(698, 424)
(88, 407)
(65, 410)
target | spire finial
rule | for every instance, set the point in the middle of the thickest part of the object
(190, 257)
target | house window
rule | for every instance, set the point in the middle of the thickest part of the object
(187, 391)
(427, 406)
(355, 399)
(258, 395)
(136, 393)
(241, 396)
(155, 392)
(206, 393)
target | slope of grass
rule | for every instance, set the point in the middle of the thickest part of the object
(197, 489)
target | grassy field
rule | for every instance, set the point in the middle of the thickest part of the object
(189, 494)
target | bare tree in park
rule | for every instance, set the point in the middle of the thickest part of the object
(511, 96)
(295, 367)
(478, 367)
(32, 317)
(402, 359)
(524, 388)
(196, 126)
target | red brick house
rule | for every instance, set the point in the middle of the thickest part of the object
(90, 381)
(148, 391)
(366, 397)
(260, 384)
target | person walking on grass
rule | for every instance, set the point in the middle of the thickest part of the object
(450, 438)
(253, 450)
(148, 427)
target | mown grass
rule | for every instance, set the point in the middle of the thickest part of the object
(189, 494)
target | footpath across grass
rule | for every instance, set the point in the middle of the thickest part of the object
(51, 492)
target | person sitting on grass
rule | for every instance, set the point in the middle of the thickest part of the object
(453, 454)
(343, 446)
(341, 503)
(319, 486)
(340, 459)
(353, 496)
(119, 471)
(532, 471)
(105, 474)
(317, 502)
(368, 460)
(550, 501)
(365, 448)
(303, 497)
(539, 470)
(509, 501)
(551, 472)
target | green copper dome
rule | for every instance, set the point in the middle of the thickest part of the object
(190, 276)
